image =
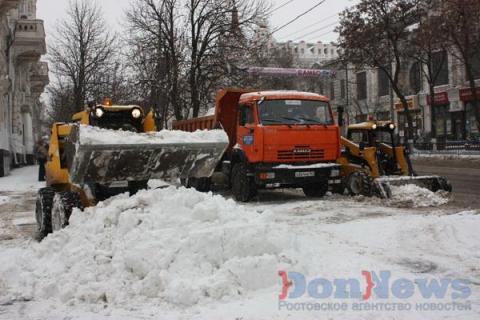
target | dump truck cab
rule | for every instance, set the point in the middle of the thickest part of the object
(278, 139)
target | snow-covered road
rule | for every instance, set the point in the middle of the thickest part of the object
(178, 254)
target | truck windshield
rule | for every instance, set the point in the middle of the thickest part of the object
(291, 112)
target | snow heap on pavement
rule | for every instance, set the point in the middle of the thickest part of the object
(200, 256)
(96, 135)
(413, 196)
(173, 245)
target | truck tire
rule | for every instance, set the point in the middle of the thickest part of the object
(135, 186)
(360, 183)
(63, 204)
(199, 184)
(317, 190)
(243, 186)
(43, 211)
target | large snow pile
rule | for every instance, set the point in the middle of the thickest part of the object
(175, 253)
(95, 135)
(413, 196)
(179, 246)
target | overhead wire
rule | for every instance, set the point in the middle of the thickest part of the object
(316, 30)
(280, 7)
(298, 17)
(309, 26)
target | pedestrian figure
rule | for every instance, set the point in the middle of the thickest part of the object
(41, 150)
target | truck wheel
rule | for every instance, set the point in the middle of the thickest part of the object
(135, 186)
(243, 186)
(317, 190)
(43, 211)
(199, 184)
(63, 204)
(359, 183)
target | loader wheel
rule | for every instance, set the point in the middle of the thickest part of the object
(359, 183)
(135, 186)
(43, 211)
(318, 190)
(63, 204)
(243, 186)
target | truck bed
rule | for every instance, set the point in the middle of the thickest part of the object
(191, 125)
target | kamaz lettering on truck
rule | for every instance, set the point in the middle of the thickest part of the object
(278, 139)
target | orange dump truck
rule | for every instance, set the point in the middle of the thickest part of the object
(278, 139)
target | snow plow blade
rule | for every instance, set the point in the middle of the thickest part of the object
(382, 185)
(107, 163)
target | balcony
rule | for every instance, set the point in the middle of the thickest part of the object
(39, 77)
(6, 5)
(29, 41)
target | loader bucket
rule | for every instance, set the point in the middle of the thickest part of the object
(107, 163)
(434, 183)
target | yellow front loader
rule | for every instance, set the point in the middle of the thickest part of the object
(79, 174)
(371, 162)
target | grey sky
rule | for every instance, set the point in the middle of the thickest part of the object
(315, 26)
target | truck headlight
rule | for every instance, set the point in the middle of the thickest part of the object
(374, 127)
(99, 112)
(136, 113)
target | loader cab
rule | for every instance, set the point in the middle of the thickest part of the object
(372, 134)
(379, 137)
(117, 117)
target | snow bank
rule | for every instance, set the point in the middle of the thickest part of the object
(95, 135)
(413, 196)
(171, 245)
(179, 254)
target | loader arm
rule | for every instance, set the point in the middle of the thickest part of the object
(398, 155)
(368, 155)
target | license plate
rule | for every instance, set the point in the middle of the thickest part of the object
(119, 184)
(305, 174)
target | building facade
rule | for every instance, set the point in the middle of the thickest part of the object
(366, 93)
(23, 78)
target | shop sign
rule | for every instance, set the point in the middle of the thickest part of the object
(440, 98)
(467, 94)
(411, 105)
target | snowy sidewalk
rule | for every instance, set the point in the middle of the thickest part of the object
(17, 203)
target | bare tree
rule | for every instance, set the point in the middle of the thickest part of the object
(156, 54)
(428, 50)
(461, 22)
(82, 49)
(374, 34)
(214, 28)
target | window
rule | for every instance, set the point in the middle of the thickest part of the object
(332, 90)
(325, 51)
(362, 86)
(383, 83)
(246, 115)
(291, 112)
(415, 78)
(440, 68)
(476, 65)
